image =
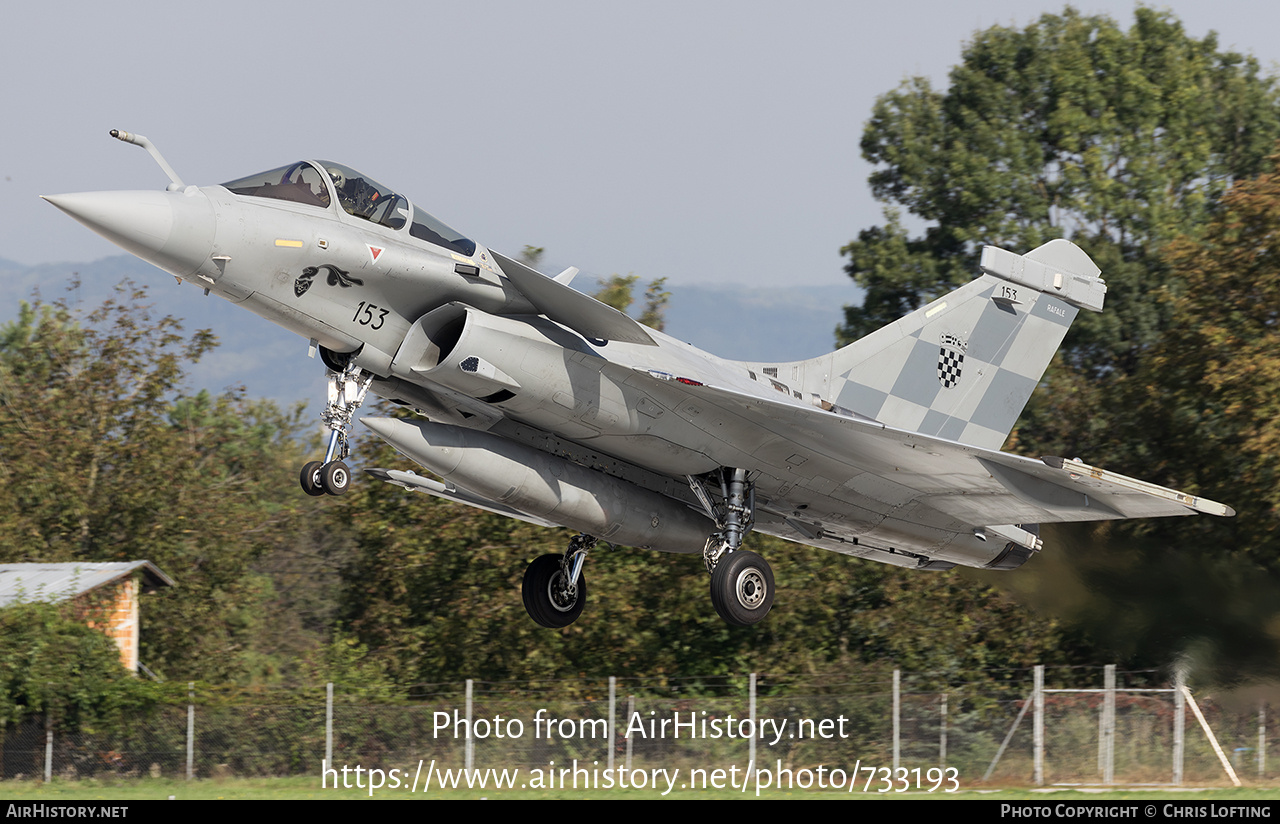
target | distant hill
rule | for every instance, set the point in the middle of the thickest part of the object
(758, 324)
(265, 359)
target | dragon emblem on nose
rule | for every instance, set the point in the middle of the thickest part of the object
(336, 277)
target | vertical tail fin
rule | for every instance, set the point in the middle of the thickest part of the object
(963, 366)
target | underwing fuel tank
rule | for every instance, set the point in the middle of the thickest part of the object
(547, 486)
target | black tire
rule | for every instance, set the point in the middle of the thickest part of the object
(716, 603)
(335, 478)
(537, 591)
(310, 479)
(742, 588)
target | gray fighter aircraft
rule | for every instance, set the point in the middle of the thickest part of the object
(540, 403)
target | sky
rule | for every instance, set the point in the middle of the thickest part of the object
(706, 142)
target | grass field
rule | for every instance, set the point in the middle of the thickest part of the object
(307, 788)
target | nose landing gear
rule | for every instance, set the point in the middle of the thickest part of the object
(319, 478)
(347, 389)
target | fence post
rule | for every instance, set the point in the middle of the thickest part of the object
(751, 706)
(48, 745)
(1102, 728)
(1038, 725)
(897, 715)
(470, 749)
(1107, 743)
(1262, 739)
(1179, 720)
(613, 706)
(328, 724)
(191, 729)
(942, 743)
(631, 712)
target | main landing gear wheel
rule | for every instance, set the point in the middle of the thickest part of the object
(547, 598)
(741, 581)
(742, 588)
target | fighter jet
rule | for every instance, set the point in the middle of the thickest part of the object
(536, 401)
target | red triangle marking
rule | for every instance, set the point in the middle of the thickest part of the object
(375, 251)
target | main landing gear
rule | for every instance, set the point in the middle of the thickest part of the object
(347, 388)
(741, 581)
(554, 588)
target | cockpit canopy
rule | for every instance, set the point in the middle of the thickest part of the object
(298, 183)
(318, 184)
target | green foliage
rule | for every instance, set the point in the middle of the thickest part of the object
(1200, 414)
(618, 290)
(102, 460)
(655, 305)
(1072, 127)
(1128, 142)
(1210, 385)
(52, 663)
(80, 397)
(531, 256)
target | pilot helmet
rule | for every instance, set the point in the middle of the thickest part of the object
(339, 180)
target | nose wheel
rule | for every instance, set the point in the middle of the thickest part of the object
(346, 392)
(319, 478)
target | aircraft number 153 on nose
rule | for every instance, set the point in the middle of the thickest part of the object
(365, 315)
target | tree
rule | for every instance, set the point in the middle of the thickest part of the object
(50, 662)
(1200, 413)
(531, 256)
(618, 290)
(103, 459)
(1070, 128)
(655, 305)
(1204, 410)
(1129, 143)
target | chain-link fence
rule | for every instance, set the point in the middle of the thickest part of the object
(1087, 735)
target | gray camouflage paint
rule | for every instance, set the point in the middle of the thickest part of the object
(1007, 348)
(484, 343)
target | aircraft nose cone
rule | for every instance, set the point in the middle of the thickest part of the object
(129, 219)
(173, 230)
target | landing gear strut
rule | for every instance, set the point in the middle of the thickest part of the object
(741, 581)
(554, 588)
(347, 389)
